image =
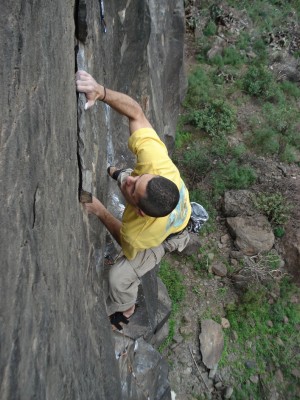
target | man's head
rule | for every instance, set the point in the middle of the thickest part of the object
(152, 195)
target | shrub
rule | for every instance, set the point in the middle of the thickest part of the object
(210, 29)
(238, 151)
(232, 56)
(259, 82)
(265, 140)
(279, 231)
(260, 48)
(232, 176)
(276, 131)
(201, 89)
(243, 41)
(217, 60)
(220, 147)
(291, 89)
(288, 154)
(281, 118)
(274, 206)
(216, 118)
(196, 161)
(181, 138)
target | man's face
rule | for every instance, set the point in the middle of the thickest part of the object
(134, 188)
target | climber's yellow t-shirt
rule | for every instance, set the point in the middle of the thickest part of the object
(140, 233)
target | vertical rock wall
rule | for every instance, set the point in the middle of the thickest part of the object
(55, 337)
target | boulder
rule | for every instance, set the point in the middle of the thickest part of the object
(211, 342)
(143, 370)
(290, 246)
(219, 269)
(252, 235)
(238, 203)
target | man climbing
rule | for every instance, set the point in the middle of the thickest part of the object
(157, 208)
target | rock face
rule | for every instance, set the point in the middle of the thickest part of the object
(55, 338)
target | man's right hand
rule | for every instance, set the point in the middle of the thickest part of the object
(111, 223)
(85, 83)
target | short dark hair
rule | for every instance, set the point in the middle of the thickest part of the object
(162, 196)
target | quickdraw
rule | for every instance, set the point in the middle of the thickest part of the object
(102, 20)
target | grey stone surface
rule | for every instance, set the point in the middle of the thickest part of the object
(144, 373)
(55, 337)
(219, 269)
(239, 203)
(252, 235)
(211, 342)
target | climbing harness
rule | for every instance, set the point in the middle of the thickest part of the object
(102, 20)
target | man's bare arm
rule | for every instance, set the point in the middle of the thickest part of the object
(112, 224)
(120, 102)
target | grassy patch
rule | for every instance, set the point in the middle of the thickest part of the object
(182, 137)
(232, 176)
(275, 130)
(173, 281)
(268, 337)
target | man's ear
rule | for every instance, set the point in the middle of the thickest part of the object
(140, 212)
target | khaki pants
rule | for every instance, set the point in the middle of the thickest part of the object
(124, 274)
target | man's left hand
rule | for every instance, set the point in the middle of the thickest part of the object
(86, 83)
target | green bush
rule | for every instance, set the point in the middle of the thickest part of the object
(217, 60)
(196, 161)
(274, 206)
(201, 89)
(279, 231)
(276, 130)
(232, 56)
(264, 140)
(210, 29)
(217, 118)
(259, 82)
(288, 155)
(244, 41)
(291, 89)
(181, 138)
(232, 176)
(238, 151)
(220, 147)
(282, 118)
(260, 49)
